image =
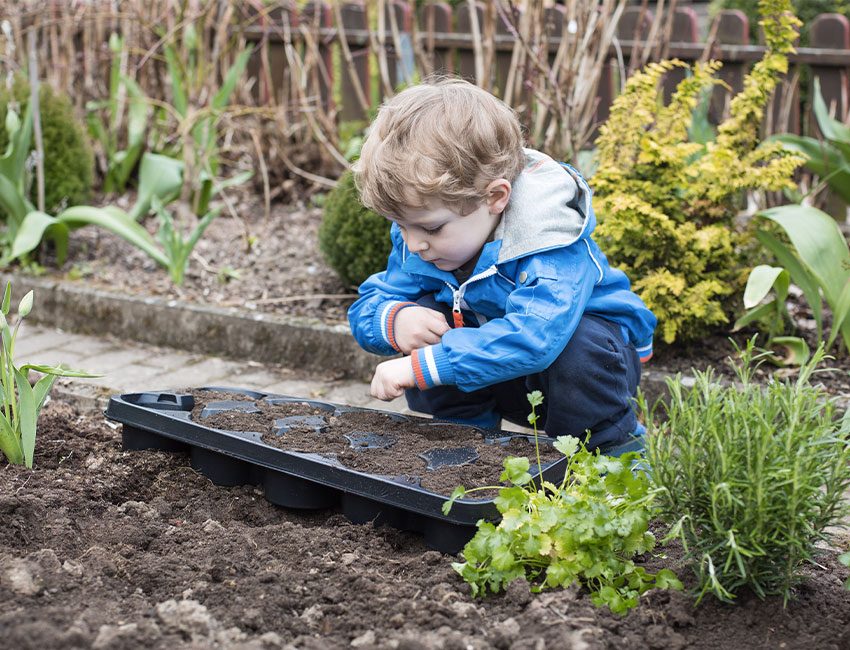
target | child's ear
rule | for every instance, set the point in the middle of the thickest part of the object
(498, 195)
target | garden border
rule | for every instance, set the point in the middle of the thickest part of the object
(298, 343)
(295, 342)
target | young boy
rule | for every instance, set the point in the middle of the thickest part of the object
(494, 286)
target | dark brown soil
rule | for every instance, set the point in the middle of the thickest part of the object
(280, 270)
(101, 548)
(406, 438)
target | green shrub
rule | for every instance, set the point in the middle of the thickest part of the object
(667, 205)
(68, 158)
(750, 476)
(354, 240)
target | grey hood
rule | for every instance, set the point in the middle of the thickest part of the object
(549, 208)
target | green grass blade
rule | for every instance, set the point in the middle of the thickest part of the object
(231, 78)
(178, 85)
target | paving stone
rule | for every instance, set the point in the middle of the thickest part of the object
(33, 340)
(256, 378)
(114, 361)
(53, 357)
(128, 379)
(210, 371)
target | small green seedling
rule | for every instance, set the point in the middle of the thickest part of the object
(585, 530)
(21, 402)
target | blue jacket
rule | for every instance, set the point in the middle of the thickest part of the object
(528, 291)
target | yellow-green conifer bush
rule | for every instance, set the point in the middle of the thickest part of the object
(667, 205)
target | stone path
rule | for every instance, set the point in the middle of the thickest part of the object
(133, 367)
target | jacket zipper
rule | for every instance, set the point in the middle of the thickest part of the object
(457, 294)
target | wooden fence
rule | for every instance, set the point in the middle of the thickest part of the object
(447, 36)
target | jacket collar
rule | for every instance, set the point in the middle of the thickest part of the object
(412, 263)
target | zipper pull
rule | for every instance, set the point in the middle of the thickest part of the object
(456, 315)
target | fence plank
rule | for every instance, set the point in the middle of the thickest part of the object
(322, 80)
(400, 55)
(503, 57)
(831, 31)
(354, 17)
(436, 17)
(463, 25)
(732, 28)
(684, 30)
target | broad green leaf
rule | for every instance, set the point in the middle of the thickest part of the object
(115, 221)
(796, 350)
(159, 176)
(840, 314)
(35, 227)
(831, 128)
(819, 243)
(41, 390)
(14, 160)
(12, 202)
(10, 443)
(799, 274)
(766, 310)
(823, 158)
(761, 281)
(27, 415)
(222, 97)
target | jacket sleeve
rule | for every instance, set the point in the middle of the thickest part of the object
(541, 315)
(382, 296)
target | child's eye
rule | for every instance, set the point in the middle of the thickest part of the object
(433, 231)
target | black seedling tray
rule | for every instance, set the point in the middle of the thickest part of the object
(162, 420)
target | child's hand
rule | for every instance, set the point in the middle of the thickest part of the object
(392, 378)
(416, 327)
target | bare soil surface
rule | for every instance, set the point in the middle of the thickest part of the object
(375, 442)
(102, 548)
(273, 265)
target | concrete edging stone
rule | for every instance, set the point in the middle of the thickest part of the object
(298, 343)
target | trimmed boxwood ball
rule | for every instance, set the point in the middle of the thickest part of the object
(68, 158)
(354, 240)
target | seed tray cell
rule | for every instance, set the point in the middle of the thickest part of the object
(162, 420)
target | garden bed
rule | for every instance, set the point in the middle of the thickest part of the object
(112, 549)
(283, 273)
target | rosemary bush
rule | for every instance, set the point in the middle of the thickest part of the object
(749, 475)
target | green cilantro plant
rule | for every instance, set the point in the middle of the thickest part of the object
(584, 530)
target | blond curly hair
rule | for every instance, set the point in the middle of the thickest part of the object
(443, 140)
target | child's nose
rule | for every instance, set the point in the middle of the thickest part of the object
(416, 243)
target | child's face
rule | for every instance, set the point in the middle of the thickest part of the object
(447, 239)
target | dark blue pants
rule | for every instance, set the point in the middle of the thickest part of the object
(589, 387)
